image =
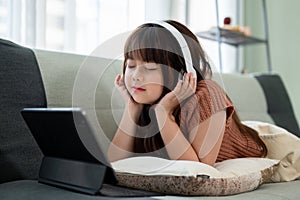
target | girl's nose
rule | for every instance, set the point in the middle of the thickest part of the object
(137, 75)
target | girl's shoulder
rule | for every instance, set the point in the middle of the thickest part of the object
(209, 89)
(207, 85)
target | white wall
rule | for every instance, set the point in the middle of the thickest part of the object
(284, 31)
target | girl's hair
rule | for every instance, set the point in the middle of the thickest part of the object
(151, 42)
(250, 132)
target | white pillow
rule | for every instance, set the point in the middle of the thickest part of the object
(193, 178)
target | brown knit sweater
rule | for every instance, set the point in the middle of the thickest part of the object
(208, 100)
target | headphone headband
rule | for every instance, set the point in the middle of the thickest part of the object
(183, 45)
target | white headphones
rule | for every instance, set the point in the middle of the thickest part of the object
(183, 45)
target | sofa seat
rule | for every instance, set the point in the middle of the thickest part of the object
(32, 190)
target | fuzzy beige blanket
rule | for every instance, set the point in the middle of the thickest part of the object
(282, 145)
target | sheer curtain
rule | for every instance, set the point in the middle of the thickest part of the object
(79, 26)
(68, 25)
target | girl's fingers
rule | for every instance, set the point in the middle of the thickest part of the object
(186, 80)
(189, 82)
(185, 88)
(195, 84)
(178, 86)
(117, 80)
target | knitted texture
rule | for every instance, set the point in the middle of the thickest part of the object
(209, 99)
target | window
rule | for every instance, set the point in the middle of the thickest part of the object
(68, 25)
(79, 26)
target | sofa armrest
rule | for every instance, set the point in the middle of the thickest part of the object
(278, 101)
(20, 86)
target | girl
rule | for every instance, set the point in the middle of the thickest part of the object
(189, 119)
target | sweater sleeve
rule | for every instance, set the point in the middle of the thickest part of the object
(212, 99)
(209, 99)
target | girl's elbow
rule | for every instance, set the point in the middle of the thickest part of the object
(208, 161)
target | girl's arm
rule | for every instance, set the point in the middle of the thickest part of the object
(204, 141)
(207, 137)
(203, 144)
(122, 144)
(177, 146)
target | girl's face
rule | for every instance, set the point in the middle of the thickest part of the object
(144, 81)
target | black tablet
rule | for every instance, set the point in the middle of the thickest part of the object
(67, 162)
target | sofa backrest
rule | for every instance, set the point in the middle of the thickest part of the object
(20, 86)
(87, 82)
(74, 79)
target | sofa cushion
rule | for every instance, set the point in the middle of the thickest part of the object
(20, 86)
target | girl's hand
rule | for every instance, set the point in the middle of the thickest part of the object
(184, 89)
(131, 106)
(120, 85)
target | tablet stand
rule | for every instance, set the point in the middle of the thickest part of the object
(75, 175)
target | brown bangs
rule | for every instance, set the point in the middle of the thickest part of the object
(149, 55)
(152, 44)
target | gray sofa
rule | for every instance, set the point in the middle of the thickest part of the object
(38, 78)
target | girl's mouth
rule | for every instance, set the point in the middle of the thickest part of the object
(138, 89)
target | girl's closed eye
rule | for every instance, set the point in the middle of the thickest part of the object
(131, 63)
(130, 66)
(151, 68)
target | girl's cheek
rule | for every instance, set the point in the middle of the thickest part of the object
(127, 80)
